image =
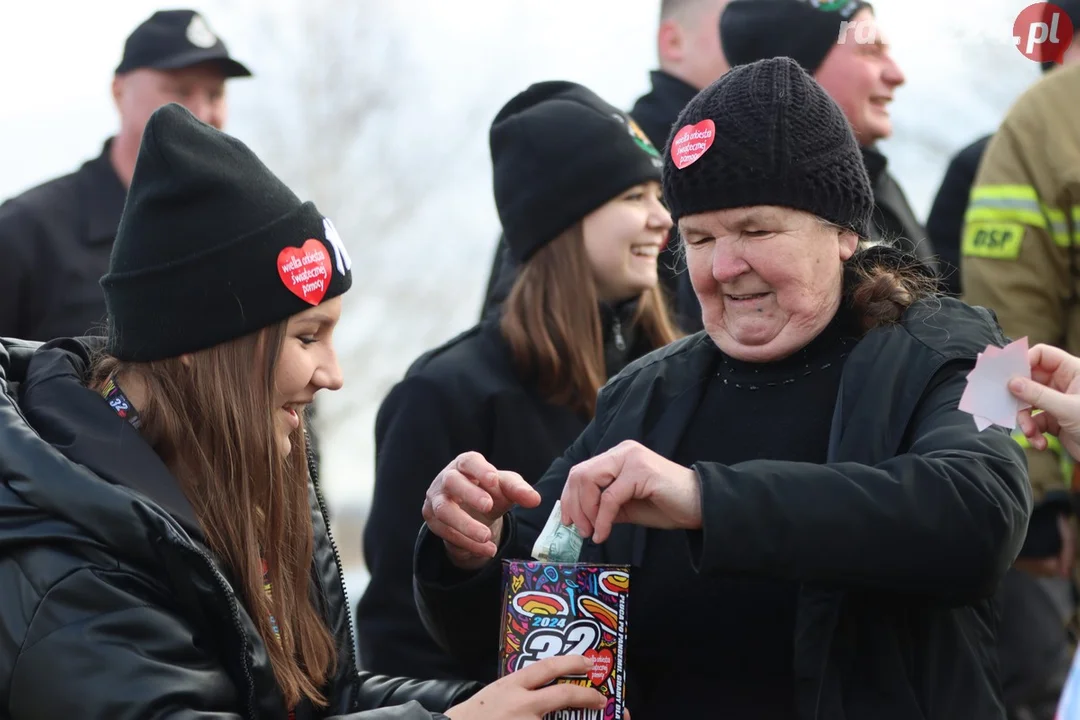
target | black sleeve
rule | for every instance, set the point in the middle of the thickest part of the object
(96, 650)
(19, 236)
(409, 711)
(945, 224)
(945, 519)
(408, 697)
(418, 431)
(463, 609)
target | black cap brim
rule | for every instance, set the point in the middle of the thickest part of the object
(229, 67)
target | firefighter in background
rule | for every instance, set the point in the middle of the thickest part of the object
(945, 223)
(1019, 257)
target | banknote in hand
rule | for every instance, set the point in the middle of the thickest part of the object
(558, 543)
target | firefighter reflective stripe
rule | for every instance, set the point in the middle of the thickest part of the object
(1065, 461)
(994, 205)
(1005, 203)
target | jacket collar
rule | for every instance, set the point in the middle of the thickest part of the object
(671, 90)
(97, 459)
(876, 163)
(622, 341)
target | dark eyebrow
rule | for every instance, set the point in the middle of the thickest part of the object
(317, 317)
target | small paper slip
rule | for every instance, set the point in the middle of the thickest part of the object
(987, 395)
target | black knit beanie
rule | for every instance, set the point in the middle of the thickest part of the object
(804, 30)
(767, 134)
(559, 152)
(211, 245)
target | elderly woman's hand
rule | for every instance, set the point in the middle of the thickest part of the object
(1054, 388)
(631, 484)
(465, 506)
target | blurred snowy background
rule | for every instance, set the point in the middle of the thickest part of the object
(378, 110)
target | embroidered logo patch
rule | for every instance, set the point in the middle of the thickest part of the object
(1000, 241)
(199, 33)
(691, 142)
(640, 138)
(306, 270)
(341, 255)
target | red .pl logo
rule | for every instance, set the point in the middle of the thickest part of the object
(1042, 32)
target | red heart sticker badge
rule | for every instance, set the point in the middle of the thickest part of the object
(602, 662)
(691, 142)
(305, 270)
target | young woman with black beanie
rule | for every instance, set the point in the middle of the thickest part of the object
(577, 188)
(164, 550)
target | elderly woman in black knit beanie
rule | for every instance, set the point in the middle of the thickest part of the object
(816, 530)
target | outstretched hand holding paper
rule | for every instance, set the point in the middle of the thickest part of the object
(987, 396)
(1053, 393)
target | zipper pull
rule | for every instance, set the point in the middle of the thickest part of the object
(620, 343)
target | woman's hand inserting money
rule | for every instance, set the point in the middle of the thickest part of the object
(465, 506)
(630, 484)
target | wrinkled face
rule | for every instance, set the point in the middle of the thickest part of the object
(768, 278)
(861, 76)
(307, 364)
(200, 88)
(623, 238)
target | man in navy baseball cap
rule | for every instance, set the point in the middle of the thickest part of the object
(177, 39)
(56, 237)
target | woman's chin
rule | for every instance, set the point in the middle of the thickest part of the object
(763, 343)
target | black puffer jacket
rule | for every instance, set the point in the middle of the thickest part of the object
(112, 606)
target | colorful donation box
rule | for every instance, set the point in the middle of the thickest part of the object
(554, 609)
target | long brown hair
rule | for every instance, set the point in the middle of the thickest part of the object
(212, 423)
(551, 319)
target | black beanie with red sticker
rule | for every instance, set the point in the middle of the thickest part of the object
(211, 246)
(767, 134)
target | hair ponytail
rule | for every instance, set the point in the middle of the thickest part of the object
(883, 282)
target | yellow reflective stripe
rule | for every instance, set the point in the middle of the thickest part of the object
(1020, 203)
(1059, 225)
(1004, 192)
(997, 214)
(1065, 461)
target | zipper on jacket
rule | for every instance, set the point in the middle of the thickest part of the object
(616, 328)
(314, 473)
(223, 586)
